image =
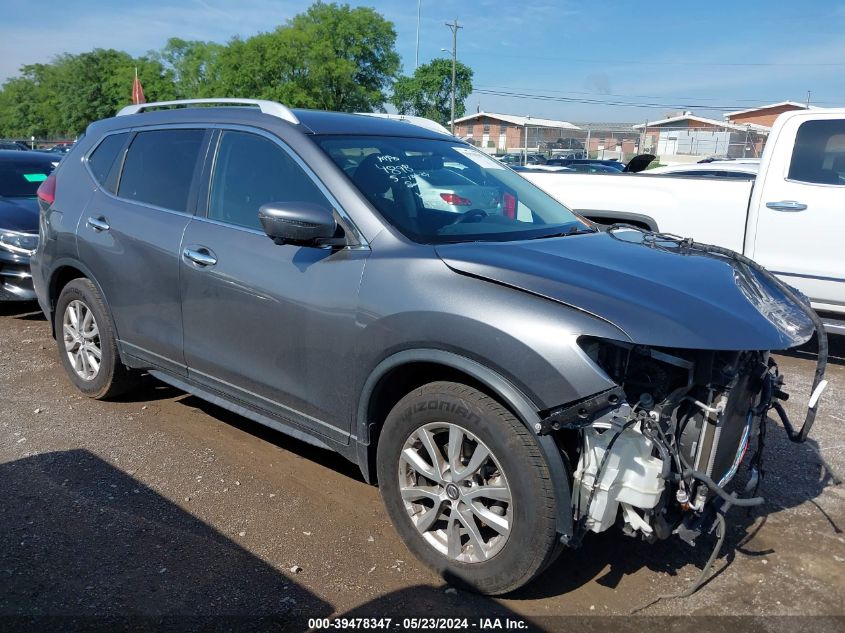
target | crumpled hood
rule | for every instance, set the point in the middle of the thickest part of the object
(660, 298)
(19, 214)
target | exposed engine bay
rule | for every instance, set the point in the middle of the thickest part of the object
(660, 447)
(664, 444)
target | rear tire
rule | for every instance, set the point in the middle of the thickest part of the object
(491, 544)
(86, 342)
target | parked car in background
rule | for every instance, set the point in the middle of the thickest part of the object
(482, 368)
(14, 146)
(580, 164)
(743, 170)
(522, 159)
(570, 154)
(585, 167)
(21, 173)
(450, 190)
(789, 218)
(59, 148)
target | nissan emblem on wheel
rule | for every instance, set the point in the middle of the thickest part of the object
(510, 375)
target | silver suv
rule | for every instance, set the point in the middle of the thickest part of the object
(511, 376)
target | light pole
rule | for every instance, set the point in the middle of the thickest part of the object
(454, 26)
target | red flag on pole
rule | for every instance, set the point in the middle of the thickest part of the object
(137, 90)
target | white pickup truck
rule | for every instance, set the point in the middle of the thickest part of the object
(791, 219)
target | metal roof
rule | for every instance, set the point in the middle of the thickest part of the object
(797, 104)
(739, 127)
(521, 121)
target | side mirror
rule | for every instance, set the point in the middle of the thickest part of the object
(302, 223)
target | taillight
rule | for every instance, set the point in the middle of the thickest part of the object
(509, 205)
(456, 200)
(47, 189)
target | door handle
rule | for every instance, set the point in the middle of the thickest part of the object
(200, 256)
(98, 224)
(786, 205)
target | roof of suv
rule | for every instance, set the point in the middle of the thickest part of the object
(322, 122)
(310, 121)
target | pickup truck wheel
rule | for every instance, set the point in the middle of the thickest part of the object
(467, 488)
(86, 342)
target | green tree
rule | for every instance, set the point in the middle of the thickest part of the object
(63, 97)
(27, 106)
(428, 92)
(331, 57)
(95, 85)
(193, 64)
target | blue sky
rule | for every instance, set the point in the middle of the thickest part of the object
(707, 57)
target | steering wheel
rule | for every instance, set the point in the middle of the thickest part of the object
(473, 215)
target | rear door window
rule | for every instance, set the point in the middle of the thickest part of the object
(819, 154)
(250, 171)
(159, 168)
(104, 160)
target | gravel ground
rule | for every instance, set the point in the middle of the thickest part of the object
(162, 512)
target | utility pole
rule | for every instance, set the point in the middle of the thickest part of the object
(454, 26)
(643, 137)
(417, 58)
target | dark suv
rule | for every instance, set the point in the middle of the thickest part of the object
(511, 376)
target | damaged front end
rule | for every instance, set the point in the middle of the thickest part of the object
(661, 446)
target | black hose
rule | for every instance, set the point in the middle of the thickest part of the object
(737, 501)
(787, 425)
(821, 334)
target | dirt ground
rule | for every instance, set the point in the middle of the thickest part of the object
(163, 512)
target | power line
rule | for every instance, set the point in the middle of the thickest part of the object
(643, 62)
(830, 101)
(541, 97)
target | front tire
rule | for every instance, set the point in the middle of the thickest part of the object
(467, 487)
(86, 342)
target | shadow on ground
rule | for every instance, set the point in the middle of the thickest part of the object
(85, 545)
(25, 310)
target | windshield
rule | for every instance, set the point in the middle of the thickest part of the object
(21, 179)
(439, 191)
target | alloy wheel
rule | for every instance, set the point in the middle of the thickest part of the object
(455, 492)
(82, 340)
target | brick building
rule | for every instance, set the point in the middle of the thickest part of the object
(688, 134)
(764, 115)
(501, 132)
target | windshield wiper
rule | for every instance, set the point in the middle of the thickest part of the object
(572, 231)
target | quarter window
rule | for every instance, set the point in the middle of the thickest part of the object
(105, 159)
(250, 171)
(819, 154)
(159, 168)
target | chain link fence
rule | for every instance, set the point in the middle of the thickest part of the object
(623, 141)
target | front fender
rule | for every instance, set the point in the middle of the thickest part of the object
(508, 394)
